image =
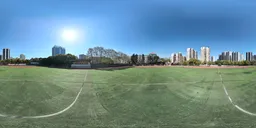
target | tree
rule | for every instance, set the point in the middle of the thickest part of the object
(153, 58)
(194, 62)
(136, 59)
(143, 58)
(59, 60)
(90, 53)
(18, 61)
(185, 63)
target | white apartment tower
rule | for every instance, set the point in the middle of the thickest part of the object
(191, 54)
(205, 54)
(180, 58)
(176, 58)
(173, 58)
(196, 55)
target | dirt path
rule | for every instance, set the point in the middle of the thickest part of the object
(21, 66)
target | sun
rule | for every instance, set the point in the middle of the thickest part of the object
(69, 35)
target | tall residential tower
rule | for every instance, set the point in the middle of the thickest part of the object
(6, 53)
(205, 54)
(249, 56)
(191, 54)
(58, 50)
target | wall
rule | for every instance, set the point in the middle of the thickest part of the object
(80, 66)
(108, 65)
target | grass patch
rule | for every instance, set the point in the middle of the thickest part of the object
(132, 97)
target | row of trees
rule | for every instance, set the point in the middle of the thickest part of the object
(241, 63)
(14, 61)
(103, 55)
(194, 62)
(58, 61)
(219, 62)
(135, 59)
(94, 55)
(149, 59)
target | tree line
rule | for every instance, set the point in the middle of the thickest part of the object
(106, 56)
(218, 62)
(64, 61)
(151, 59)
(14, 61)
(240, 63)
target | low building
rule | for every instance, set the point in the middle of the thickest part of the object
(34, 63)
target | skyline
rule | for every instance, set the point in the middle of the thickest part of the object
(163, 27)
(183, 53)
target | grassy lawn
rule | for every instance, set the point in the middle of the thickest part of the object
(134, 97)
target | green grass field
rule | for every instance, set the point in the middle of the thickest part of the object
(134, 97)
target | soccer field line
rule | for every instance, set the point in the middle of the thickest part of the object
(53, 114)
(230, 99)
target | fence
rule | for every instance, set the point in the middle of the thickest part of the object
(17, 64)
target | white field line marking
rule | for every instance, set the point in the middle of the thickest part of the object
(166, 83)
(53, 114)
(225, 90)
(230, 99)
(239, 108)
(252, 114)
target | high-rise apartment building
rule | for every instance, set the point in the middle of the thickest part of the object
(191, 54)
(177, 58)
(212, 58)
(180, 58)
(58, 50)
(173, 57)
(220, 57)
(242, 57)
(82, 56)
(254, 57)
(6, 54)
(22, 57)
(205, 54)
(239, 56)
(248, 56)
(196, 57)
(1, 57)
(230, 56)
(235, 56)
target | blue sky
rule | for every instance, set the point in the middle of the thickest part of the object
(132, 26)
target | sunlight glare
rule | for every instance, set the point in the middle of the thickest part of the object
(69, 35)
